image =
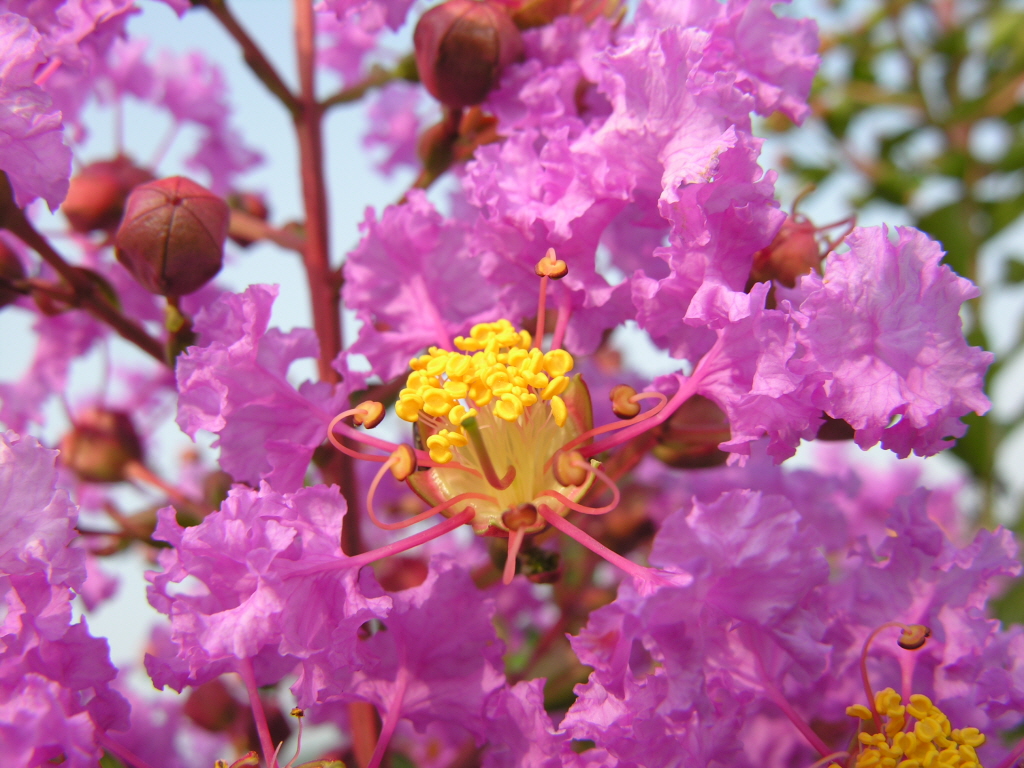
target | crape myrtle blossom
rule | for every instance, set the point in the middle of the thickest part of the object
(55, 692)
(765, 635)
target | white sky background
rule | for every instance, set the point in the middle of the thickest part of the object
(353, 184)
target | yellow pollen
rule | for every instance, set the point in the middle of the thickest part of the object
(930, 743)
(496, 368)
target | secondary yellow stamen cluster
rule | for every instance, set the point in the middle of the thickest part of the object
(932, 743)
(502, 372)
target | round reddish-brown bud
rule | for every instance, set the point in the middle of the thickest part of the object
(172, 235)
(97, 195)
(691, 436)
(462, 47)
(251, 204)
(11, 269)
(101, 445)
(794, 251)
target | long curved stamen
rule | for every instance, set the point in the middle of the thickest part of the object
(548, 268)
(542, 302)
(422, 457)
(586, 466)
(615, 425)
(515, 543)
(344, 448)
(588, 541)
(564, 313)
(498, 483)
(912, 637)
(388, 463)
(687, 388)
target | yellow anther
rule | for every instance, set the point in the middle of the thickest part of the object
(859, 710)
(456, 439)
(887, 762)
(870, 739)
(457, 389)
(528, 399)
(557, 362)
(905, 742)
(369, 414)
(436, 365)
(437, 402)
(458, 365)
(408, 407)
(908, 764)
(508, 408)
(439, 450)
(479, 393)
(517, 357)
(971, 737)
(558, 410)
(458, 414)
(868, 759)
(555, 387)
(927, 729)
(966, 750)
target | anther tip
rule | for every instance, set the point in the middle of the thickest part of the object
(551, 266)
(403, 462)
(622, 403)
(369, 414)
(914, 636)
(568, 468)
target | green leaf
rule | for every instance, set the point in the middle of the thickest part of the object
(1014, 272)
(949, 225)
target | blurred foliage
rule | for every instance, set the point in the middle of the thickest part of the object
(923, 103)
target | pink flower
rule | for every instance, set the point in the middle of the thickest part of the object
(235, 385)
(32, 151)
(884, 324)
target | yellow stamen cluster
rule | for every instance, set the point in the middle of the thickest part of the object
(496, 368)
(932, 743)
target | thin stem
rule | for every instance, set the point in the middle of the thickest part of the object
(391, 719)
(252, 54)
(16, 222)
(584, 509)
(615, 425)
(422, 515)
(248, 227)
(140, 473)
(378, 77)
(324, 285)
(122, 753)
(245, 671)
(864, 670)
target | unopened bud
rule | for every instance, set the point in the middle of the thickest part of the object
(97, 195)
(794, 251)
(691, 436)
(101, 446)
(462, 47)
(11, 269)
(172, 236)
(250, 204)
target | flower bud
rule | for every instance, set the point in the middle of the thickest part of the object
(462, 47)
(690, 438)
(794, 251)
(251, 204)
(101, 446)
(172, 235)
(97, 195)
(11, 269)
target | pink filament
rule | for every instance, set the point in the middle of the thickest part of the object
(422, 458)
(515, 542)
(391, 719)
(541, 308)
(611, 427)
(589, 510)
(564, 313)
(394, 548)
(588, 541)
(422, 515)
(245, 671)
